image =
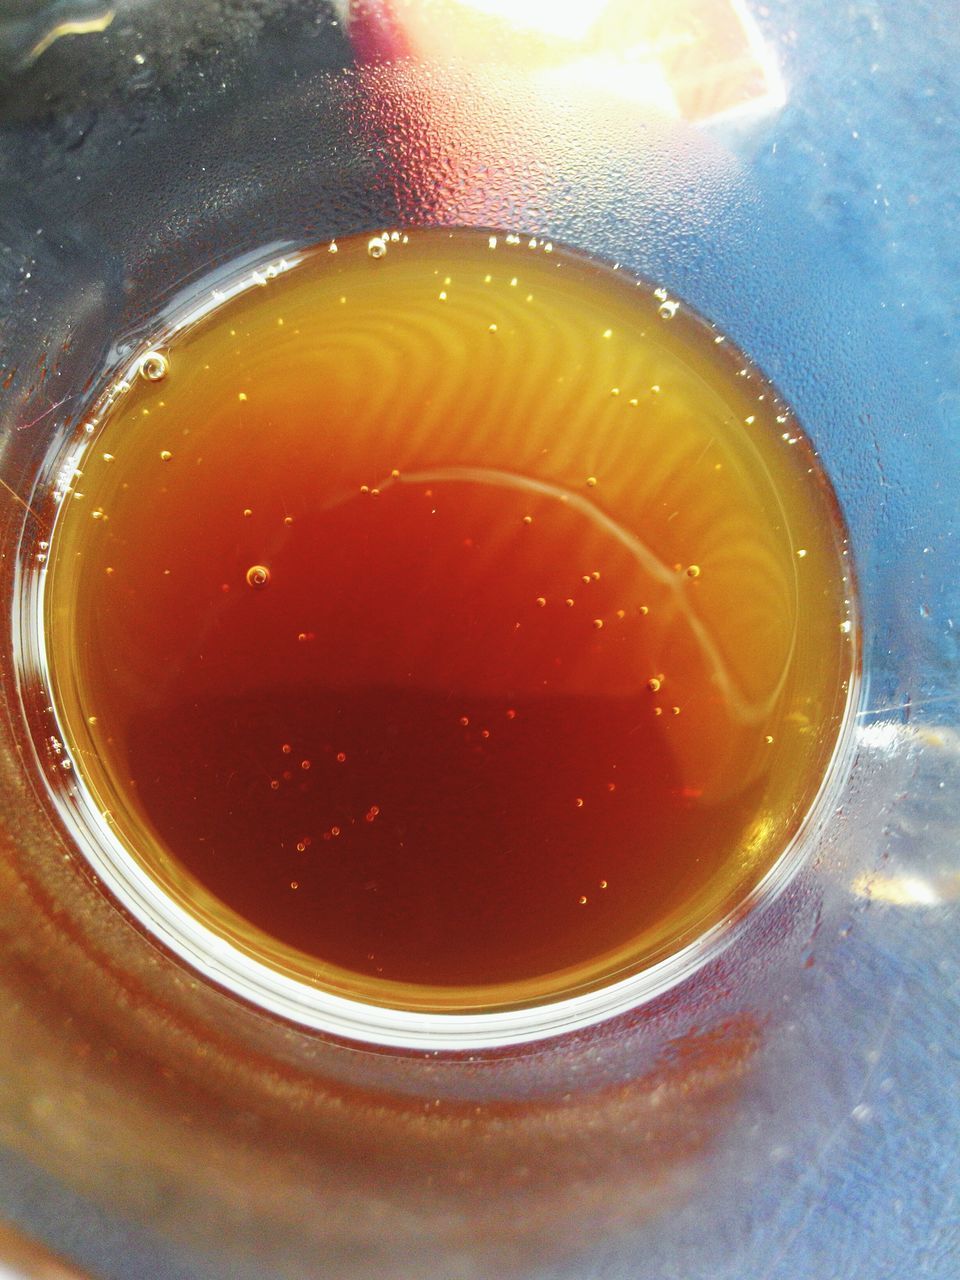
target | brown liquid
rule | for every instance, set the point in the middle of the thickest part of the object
(453, 626)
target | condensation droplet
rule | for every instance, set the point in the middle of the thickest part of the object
(377, 247)
(258, 575)
(154, 366)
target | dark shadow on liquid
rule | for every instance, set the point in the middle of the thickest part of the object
(395, 840)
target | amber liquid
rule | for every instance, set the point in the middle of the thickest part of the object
(450, 622)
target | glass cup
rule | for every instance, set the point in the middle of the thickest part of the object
(785, 1107)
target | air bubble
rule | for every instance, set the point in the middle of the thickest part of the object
(377, 247)
(154, 366)
(165, 455)
(667, 310)
(258, 576)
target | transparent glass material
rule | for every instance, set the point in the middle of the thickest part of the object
(786, 1110)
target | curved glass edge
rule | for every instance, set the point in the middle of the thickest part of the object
(221, 962)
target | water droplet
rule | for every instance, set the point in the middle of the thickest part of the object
(582, 900)
(693, 571)
(598, 624)
(154, 366)
(464, 721)
(242, 395)
(675, 711)
(653, 684)
(768, 739)
(579, 802)
(591, 482)
(304, 764)
(288, 520)
(286, 748)
(295, 884)
(569, 602)
(603, 884)
(511, 714)
(247, 512)
(341, 757)
(377, 247)
(527, 520)
(492, 328)
(274, 784)
(258, 575)
(541, 602)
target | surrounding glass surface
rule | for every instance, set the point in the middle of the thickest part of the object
(787, 1111)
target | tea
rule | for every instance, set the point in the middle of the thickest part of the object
(448, 619)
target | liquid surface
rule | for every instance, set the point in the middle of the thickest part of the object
(448, 620)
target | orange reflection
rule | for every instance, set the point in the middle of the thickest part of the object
(696, 60)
